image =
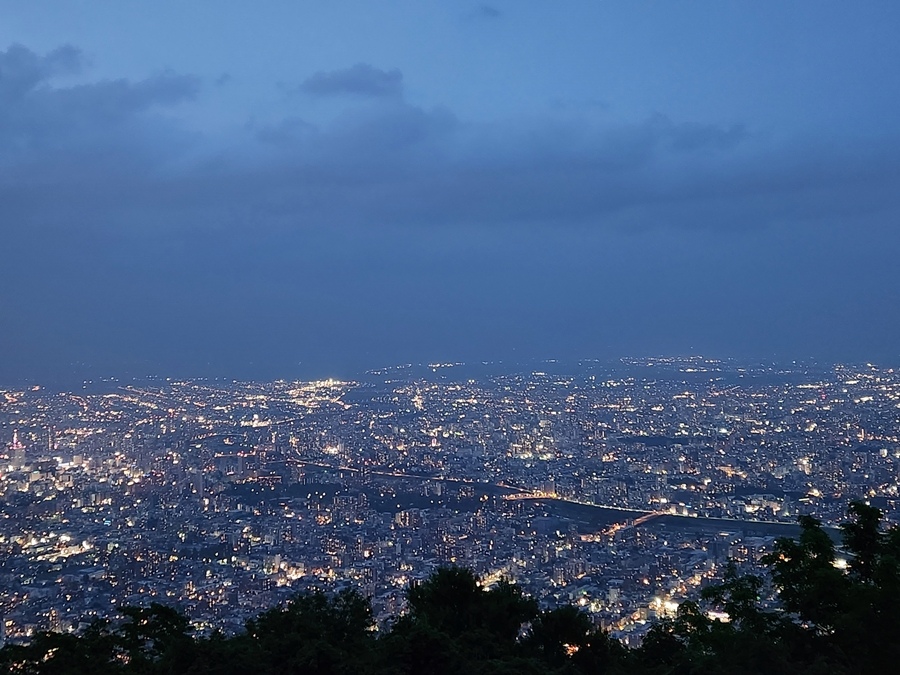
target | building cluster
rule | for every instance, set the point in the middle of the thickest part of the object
(620, 487)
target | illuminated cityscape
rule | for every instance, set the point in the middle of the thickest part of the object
(483, 337)
(623, 487)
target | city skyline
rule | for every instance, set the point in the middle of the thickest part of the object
(625, 488)
(304, 191)
(578, 319)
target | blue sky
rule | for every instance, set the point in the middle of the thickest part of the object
(300, 189)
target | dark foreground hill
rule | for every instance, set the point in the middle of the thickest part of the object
(830, 619)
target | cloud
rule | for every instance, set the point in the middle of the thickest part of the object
(417, 167)
(359, 80)
(21, 70)
(45, 124)
(393, 212)
(485, 11)
(96, 153)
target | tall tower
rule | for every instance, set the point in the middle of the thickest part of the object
(16, 451)
(16, 443)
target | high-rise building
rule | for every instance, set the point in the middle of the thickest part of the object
(16, 451)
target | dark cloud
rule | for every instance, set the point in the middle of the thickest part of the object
(46, 128)
(107, 160)
(360, 80)
(396, 225)
(407, 165)
(21, 70)
(488, 12)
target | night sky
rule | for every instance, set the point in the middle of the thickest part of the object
(287, 188)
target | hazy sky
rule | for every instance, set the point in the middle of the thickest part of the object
(297, 188)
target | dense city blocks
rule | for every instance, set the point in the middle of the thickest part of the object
(623, 488)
